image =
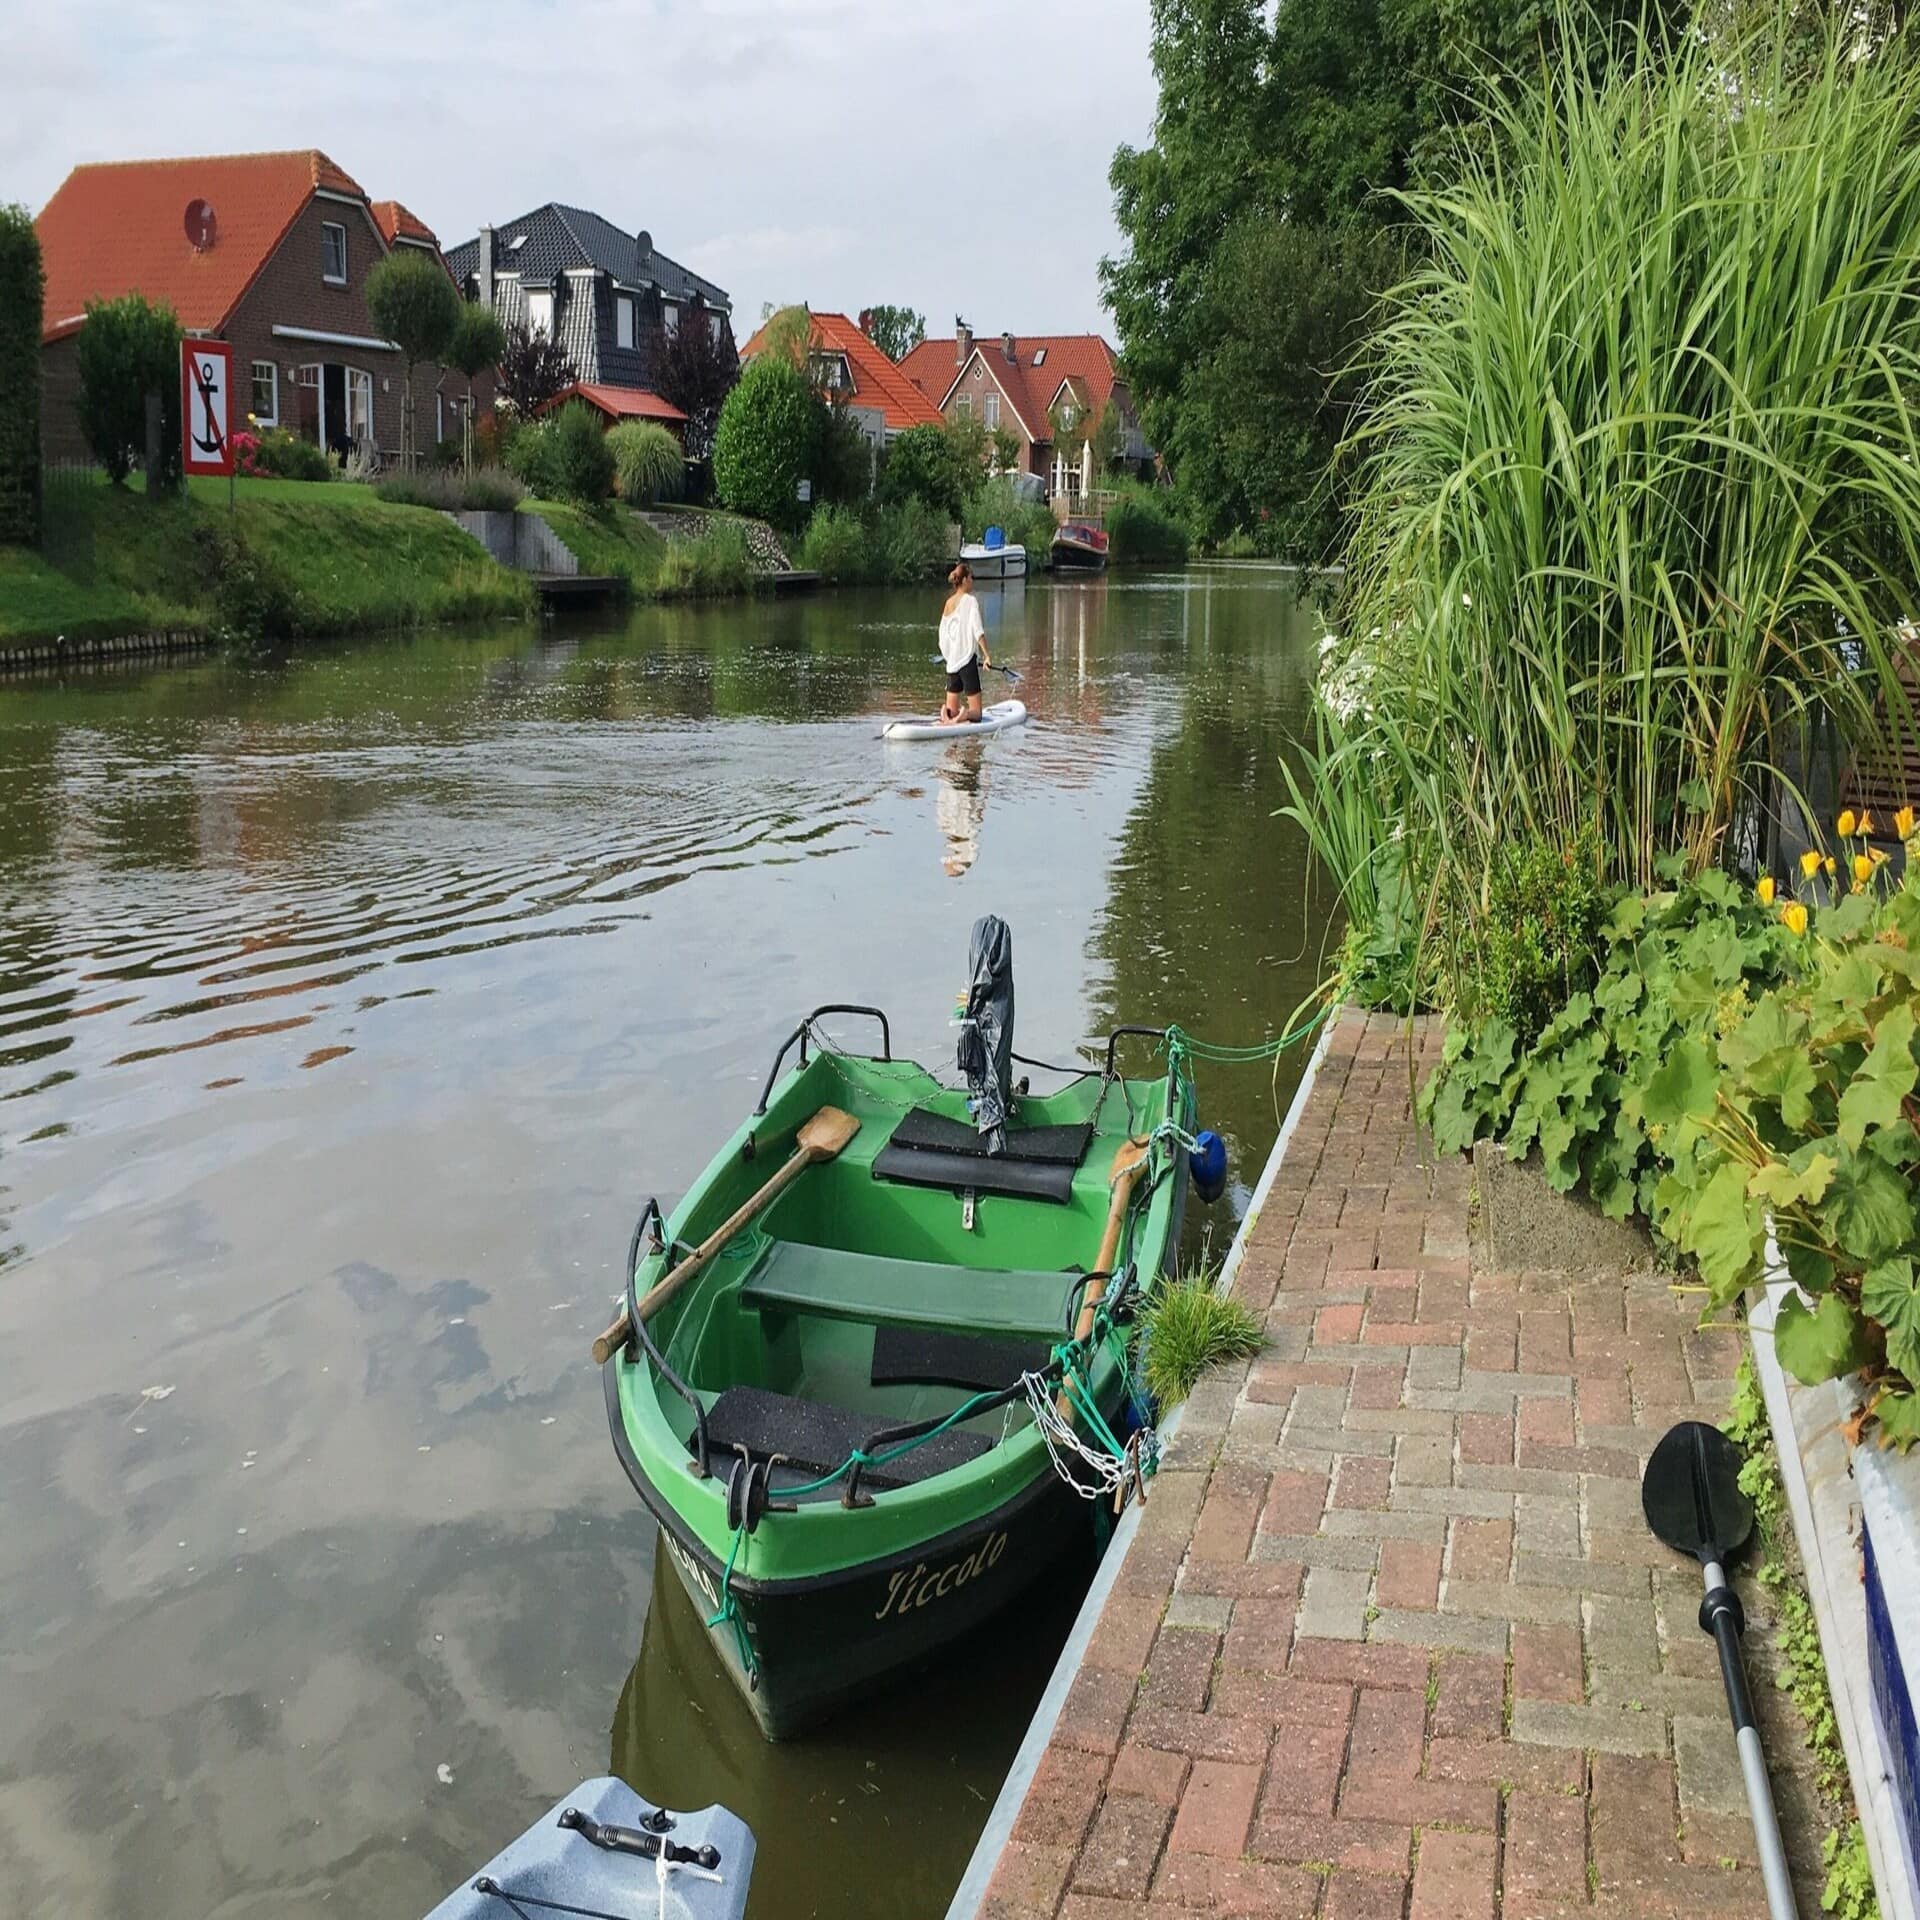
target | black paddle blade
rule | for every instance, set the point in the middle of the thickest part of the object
(1691, 1493)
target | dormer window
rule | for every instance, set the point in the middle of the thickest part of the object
(715, 323)
(540, 314)
(333, 254)
(670, 320)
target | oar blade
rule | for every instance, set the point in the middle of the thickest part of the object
(827, 1132)
(1691, 1492)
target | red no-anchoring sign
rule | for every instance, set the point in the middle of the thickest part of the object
(206, 398)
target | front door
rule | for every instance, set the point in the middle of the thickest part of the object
(333, 409)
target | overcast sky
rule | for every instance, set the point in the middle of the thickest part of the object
(841, 152)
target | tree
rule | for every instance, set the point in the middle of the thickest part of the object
(697, 372)
(896, 331)
(843, 458)
(533, 369)
(938, 465)
(129, 350)
(766, 439)
(1006, 450)
(22, 283)
(411, 301)
(479, 343)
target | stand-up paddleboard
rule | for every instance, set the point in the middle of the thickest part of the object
(1002, 714)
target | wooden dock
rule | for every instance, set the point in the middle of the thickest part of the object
(576, 589)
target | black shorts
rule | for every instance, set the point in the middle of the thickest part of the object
(967, 680)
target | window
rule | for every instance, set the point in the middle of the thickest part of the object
(623, 319)
(439, 415)
(359, 406)
(963, 406)
(1039, 356)
(540, 314)
(991, 413)
(333, 254)
(266, 393)
(670, 320)
(715, 325)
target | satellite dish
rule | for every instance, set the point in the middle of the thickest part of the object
(200, 225)
(646, 244)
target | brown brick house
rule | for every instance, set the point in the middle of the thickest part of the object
(1046, 389)
(282, 277)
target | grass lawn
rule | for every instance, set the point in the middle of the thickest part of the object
(112, 561)
(612, 541)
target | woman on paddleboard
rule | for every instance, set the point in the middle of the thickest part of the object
(963, 648)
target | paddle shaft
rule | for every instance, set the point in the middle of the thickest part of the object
(1720, 1615)
(1126, 1171)
(616, 1336)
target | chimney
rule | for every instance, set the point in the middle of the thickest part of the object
(1006, 347)
(962, 341)
(486, 266)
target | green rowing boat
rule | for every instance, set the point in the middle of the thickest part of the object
(869, 1410)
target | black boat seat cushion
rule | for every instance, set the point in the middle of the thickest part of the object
(929, 1150)
(818, 1438)
(927, 1357)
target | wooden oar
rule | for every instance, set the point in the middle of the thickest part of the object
(820, 1139)
(1128, 1165)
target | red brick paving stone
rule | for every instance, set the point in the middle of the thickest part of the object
(1427, 1803)
(1507, 1763)
(1239, 1888)
(1028, 1879)
(1366, 1846)
(1203, 1736)
(1304, 1774)
(1634, 1815)
(1409, 1575)
(1393, 1304)
(1545, 1866)
(1123, 1635)
(1546, 1422)
(1486, 1440)
(1546, 1341)
(1364, 1896)
(1469, 1697)
(1295, 1502)
(1060, 1803)
(1453, 1879)
(1095, 1710)
(1363, 1481)
(1547, 1664)
(1360, 1664)
(1387, 1730)
(1261, 1633)
(1181, 1668)
(1490, 1350)
(1338, 1326)
(1225, 1529)
(1149, 1773)
(1120, 1854)
(1216, 1810)
(1480, 1550)
(1277, 1580)
(1376, 1389)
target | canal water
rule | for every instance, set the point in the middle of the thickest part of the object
(350, 1004)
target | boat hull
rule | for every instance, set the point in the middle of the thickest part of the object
(996, 563)
(1071, 556)
(823, 1643)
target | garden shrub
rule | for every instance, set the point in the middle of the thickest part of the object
(648, 463)
(491, 490)
(251, 600)
(930, 465)
(22, 283)
(1540, 937)
(1141, 530)
(718, 563)
(484, 490)
(129, 348)
(579, 464)
(836, 547)
(912, 542)
(1797, 1116)
(524, 449)
(1026, 523)
(286, 456)
(843, 461)
(766, 439)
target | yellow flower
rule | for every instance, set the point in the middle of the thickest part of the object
(1763, 890)
(1879, 856)
(1903, 823)
(1866, 821)
(1846, 824)
(1809, 863)
(1829, 866)
(1862, 868)
(1794, 916)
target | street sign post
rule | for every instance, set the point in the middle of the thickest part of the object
(206, 404)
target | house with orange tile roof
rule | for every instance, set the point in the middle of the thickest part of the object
(855, 375)
(1050, 391)
(268, 251)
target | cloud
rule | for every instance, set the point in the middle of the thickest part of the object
(838, 151)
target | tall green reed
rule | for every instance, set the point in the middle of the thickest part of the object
(1640, 485)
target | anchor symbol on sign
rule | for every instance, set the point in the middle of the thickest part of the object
(211, 440)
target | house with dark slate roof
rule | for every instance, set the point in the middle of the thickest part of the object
(608, 296)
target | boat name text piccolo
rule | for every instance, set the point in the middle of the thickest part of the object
(914, 1589)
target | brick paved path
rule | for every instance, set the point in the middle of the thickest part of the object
(1392, 1638)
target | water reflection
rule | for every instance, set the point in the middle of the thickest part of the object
(350, 1003)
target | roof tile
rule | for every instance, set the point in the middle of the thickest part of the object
(877, 382)
(1031, 380)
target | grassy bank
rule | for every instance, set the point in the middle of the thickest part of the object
(611, 541)
(312, 558)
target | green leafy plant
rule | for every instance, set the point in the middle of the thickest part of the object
(1540, 937)
(1591, 1088)
(648, 463)
(765, 442)
(836, 547)
(1140, 530)
(576, 462)
(922, 464)
(478, 346)
(896, 331)
(129, 349)
(413, 303)
(718, 563)
(22, 283)
(281, 454)
(1026, 523)
(1800, 1122)
(1188, 1326)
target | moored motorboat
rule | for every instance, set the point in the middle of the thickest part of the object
(890, 1398)
(995, 557)
(1078, 545)
(603, 1850)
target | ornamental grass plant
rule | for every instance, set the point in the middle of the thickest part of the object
(1639, 479)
